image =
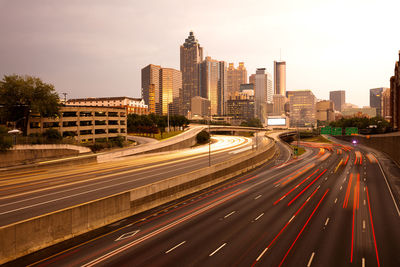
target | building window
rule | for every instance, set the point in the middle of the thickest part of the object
(100, 131)
(85, 123)
(112, 114)
(100, 122)
(69, 124)
(100, 113)
(85, 132)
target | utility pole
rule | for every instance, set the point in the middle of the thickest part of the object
(209, 140)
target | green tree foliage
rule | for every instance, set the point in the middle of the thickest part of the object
(202, 137)
(53, 135)
(252, 123)
(153, 124)
(5, 139)
(21, 96)
(365, 125)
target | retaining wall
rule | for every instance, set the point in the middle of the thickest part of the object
(22, 238)
(390, 145)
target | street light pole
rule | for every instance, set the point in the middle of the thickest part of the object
(209, 139)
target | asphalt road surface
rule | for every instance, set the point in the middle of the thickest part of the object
(25, 194)
(330, 207)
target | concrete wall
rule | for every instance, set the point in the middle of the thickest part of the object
(27, 154)
(390, 145)
(25, 237)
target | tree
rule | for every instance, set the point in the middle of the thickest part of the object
(203, 137)
(22, 96)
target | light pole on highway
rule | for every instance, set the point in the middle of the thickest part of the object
(209, 139)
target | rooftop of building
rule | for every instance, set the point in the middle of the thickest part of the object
(103, 98)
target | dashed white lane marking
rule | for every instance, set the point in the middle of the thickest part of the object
(365, 202)
(341, 187)
(363, 262)
(364, 188)
(326, 222)
(344, 180)
(227, 215)
(168, 251)
(257, 197)
(277, 185)
(215, 251)
(311, 258)
(335, 200)
(365, 179)
(363, 224)
(259, 216)
(292, 218)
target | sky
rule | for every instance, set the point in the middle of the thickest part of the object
(97, 48)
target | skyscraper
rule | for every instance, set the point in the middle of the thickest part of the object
(375, 99)
(302, 108)
(262, 93)
(160, 88)
(151, 86)
(386, 104)
(170, 83)
(395, 96)
(213, 84)
(338, 98)
(235, 77)
(280, 78)
(191, 55)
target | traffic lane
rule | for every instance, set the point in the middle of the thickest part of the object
(28, 178)
(267, 165)
(230, 231)
(77, 178)
(41, 202)
(142, 256)
(325, 241)
(242, 236)
(385, 217)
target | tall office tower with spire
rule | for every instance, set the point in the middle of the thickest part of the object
(191, 55)
(236, 77)
(280, 78)
(213, 84)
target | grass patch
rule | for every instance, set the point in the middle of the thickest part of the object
(167, 135)
(317, 139)
(300, 150)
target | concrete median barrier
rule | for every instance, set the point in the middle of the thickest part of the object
(22, 238)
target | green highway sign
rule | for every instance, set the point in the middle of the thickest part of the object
(336, 131)
(351, 130)
(326, 130)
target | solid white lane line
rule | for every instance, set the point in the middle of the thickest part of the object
(363, 262)
(326, 222)
(227, 215)
(259, 216)
(168, 251)
(311, 258)
(390, 190)
(215, 251)
(257, 197)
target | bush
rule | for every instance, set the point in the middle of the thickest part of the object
(52, 134)
(203, 137)
(118, 141)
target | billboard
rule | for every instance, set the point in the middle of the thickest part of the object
(276, 121)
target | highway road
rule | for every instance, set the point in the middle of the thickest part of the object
(25, 194)
(330, 207)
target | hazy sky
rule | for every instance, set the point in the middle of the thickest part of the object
(97, 48)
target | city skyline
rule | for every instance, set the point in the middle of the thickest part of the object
(98, 49)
